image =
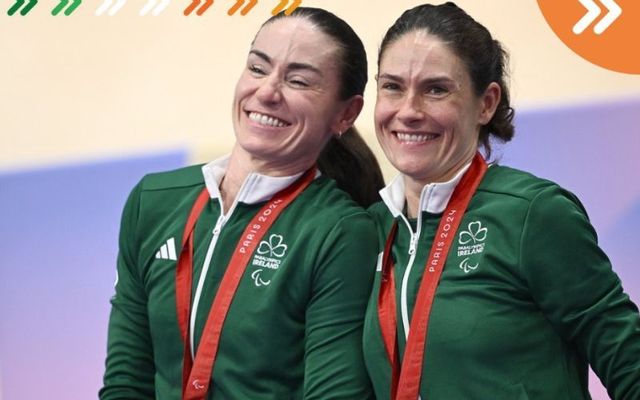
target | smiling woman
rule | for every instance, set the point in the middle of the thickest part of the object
(427, 109)
(248, 277)
(287, 104)
(491, 283)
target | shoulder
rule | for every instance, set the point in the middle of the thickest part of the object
(329, 203)
(326, 213)
(524, 205)
(505, 181)
(533, 195)
(382, 219)
(379, 211)
(174, 179)
(163, 194)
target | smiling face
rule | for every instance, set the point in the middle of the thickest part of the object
(286, 104)
(427, 115)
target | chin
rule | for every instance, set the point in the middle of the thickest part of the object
(412, 168)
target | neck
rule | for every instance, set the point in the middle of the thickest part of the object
(413, 186)
(412, 192)
(241, 164)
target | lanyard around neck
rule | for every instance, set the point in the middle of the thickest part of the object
(196, 374)
(405, 384)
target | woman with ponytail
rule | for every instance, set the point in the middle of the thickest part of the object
(248, 277)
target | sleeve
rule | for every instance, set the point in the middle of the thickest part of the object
(572, 281)
(129, 366)
(334, 364)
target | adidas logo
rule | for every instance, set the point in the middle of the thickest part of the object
(167, 251)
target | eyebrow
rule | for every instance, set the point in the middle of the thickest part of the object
(291, 66)
(427, 81)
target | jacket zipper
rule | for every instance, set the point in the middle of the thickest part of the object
(205, 269)
(413, 245)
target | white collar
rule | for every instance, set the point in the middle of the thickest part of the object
(433, 199)
(256, 188)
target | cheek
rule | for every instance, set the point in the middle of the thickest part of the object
(446, 116)
(243, 87)
(382, 114)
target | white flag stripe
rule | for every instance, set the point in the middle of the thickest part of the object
(147, 7)
(116, 7)
(160, 7)
(103, 7)
(172, 249)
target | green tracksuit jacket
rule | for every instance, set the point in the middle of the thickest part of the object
(526, 300)
(294, 328)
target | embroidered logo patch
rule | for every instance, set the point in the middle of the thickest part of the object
(466, 267)
(274, 246)
(257, 279)
(470, 243)
(268, 256)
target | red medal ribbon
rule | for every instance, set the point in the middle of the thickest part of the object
(405, 383)
(196, 374)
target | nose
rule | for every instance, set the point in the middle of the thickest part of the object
(411, 109)
(268, 92)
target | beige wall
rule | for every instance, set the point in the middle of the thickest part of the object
(83, 87)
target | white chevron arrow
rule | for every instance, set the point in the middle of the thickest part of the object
(107, 5)
(147, 7)
(593, 11)
(614, 12)
(103, 7)
(156, 9)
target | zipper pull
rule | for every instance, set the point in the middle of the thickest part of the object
(218, 227)
(413, 244)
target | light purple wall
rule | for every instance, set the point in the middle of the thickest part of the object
(58, 243)
(592, 150)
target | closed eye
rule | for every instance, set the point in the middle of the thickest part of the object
(256, 69)
(298, 83)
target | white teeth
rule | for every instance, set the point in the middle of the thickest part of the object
(409, 137)
(263, 119)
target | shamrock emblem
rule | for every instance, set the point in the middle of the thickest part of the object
(274, 246)
(475, 233)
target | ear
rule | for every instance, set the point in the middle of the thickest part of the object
(349, 111)
(489, 101)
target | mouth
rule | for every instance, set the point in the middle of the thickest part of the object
(415, 137)
(267, 120)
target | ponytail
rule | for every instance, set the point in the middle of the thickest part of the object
(351, 163)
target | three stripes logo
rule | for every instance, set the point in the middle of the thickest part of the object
(167, 251)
